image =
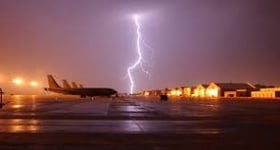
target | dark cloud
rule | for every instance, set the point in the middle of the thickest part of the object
(94, 41)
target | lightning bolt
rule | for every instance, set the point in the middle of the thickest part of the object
(139, 60)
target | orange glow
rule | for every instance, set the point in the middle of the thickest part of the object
(202, 92)
(146, 93)
(18, 81)
(173, 92)
(187, 92)
(17, 106)
(18, 97)
(2, 78)
(179, 92)
(212, 93)
(199, 93)
(33, 83)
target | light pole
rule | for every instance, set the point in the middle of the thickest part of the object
(1, 102)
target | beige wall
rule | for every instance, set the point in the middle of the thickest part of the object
(187, 92)
(230, 94)
(199, 91)
(266, 93)
(213, 90)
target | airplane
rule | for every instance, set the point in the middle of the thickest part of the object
(74, 85)
(66, 85)
(83, 92)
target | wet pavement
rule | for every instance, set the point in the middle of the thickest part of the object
(49, 122)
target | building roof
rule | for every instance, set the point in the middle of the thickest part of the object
(259, 86)
(203, 85)
(234, 86)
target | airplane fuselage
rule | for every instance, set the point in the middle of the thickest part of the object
(83, 92)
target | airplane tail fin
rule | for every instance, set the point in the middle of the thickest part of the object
(66, 85)
(74, 85)
(52, 83)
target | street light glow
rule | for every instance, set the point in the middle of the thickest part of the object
(18, 81)
(33, 83)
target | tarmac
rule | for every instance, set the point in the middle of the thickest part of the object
(52, 122)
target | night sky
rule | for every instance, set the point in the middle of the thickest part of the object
(93, 42)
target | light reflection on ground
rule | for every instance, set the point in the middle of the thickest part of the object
(71, 114)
